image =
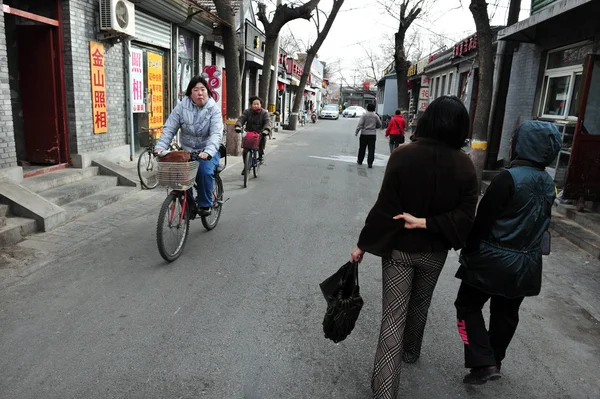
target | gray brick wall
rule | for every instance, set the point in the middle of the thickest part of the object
(80, 24)
(8, 153)
(521, 93)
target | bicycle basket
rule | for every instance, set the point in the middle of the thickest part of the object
(251, 140)
(177, 175)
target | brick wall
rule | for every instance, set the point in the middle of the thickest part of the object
(80, 24)
(8, 154)
(521, 93)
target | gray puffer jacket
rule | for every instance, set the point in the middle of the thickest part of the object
(368, 124)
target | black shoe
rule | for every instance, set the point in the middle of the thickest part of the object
(481, 375)
(370, 166)
(243, 170)
(360, 163)
(409, 357)
(205, 211)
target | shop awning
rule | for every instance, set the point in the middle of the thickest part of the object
(563, 13)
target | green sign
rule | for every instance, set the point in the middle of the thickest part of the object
(537, 5)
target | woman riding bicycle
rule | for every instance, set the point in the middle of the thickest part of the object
(201, 123)
(257, 119)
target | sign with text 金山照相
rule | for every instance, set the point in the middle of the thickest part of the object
(98, 88)
(155, 85)
(137, 81)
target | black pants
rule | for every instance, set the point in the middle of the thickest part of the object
(483, 347)
(261, 145)
(364, 142)
(395, 141)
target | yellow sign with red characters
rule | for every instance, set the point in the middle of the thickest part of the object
(155, 86)
(98, 88)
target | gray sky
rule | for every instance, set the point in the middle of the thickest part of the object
(365, 23)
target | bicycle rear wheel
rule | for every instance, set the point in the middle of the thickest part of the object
(210, 222)
(172, 227)
(247, 165)
(146, 169)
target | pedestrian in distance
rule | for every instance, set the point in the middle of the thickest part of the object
(199, 120)
(502, 261)
(256, 119)
(367, 126)
(395, 130)
(426, 206)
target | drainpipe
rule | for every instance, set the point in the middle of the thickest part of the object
(129, 108)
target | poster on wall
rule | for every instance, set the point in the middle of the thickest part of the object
(185, 64)
(99, 114)
(137, 81)
(155, 89)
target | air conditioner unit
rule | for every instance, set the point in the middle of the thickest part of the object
(117, 16)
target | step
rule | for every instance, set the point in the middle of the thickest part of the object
(588, 220)
(58, 178)
(15, 230)
(580, 236)
(94, 202)
(3, 214)
(77, 190)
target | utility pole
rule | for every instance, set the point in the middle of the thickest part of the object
(504, 57)
(274, 74)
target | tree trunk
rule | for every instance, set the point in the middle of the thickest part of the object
(486, 82)
(265, 79)
(401, 70)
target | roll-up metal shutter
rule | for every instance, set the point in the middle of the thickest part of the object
(152, 30)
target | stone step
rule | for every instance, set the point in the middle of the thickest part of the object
(58, 178)
(70, 192)
(588, 220)
(4, 210)
(94, 202)
(578, 235)
(15, 230)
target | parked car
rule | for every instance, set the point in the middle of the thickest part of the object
(352, 111)
(329, 112)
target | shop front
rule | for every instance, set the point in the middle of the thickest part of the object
(558, 52)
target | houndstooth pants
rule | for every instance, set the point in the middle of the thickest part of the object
(408, 283)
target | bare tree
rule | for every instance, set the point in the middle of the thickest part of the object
(486, 82)
(405, 12)
(373, 63)
(289, 43)
(284, 13)
(310, 56)
(227, 12)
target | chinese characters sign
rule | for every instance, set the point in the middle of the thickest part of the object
(155, 86)
(466, 46)
(137, 81)
(424, 94)
(98, 87)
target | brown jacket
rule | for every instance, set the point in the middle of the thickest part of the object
(427, 179)
(255, 121)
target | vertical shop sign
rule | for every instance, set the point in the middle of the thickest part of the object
(98, 87)
(155, 88)
(424, 94)
(137, 81)
(213, 77)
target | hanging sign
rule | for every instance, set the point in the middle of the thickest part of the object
(137, 81)
(98, 87)
(155, 88)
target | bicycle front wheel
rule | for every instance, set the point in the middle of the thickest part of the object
(256, 166)
(147, 170)
(247, 166)
(172, 227)
(210, 222)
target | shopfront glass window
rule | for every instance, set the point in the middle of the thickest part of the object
(556, 95)
(574, 108)
(185, 61)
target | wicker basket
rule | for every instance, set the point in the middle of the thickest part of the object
(177, 175)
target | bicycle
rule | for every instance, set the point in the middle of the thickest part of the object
(303, 118)
(146, 166)
(250, 157)
(176, 211)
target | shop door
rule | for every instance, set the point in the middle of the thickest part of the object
(154, 112)
(37, 79)
(583, 174)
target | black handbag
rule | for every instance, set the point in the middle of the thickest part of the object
(342, 293)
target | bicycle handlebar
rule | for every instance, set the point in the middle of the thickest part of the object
(194, 156)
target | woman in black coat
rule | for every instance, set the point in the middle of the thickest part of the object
(425, 207)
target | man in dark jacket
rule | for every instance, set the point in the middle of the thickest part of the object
(257, 119)
(503, 258)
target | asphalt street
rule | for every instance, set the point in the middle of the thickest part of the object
(239, 314)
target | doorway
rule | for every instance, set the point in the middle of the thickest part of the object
(36, 83)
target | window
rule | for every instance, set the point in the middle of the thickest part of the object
(563, 82)
(443, 85)
(437, 87)
(450, 83)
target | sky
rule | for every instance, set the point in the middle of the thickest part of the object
(364, 24)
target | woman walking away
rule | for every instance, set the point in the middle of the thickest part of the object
(368, 124)
(425, 207)
(502, 261)
(395, 130)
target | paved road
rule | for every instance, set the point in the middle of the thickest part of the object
(100, 315)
